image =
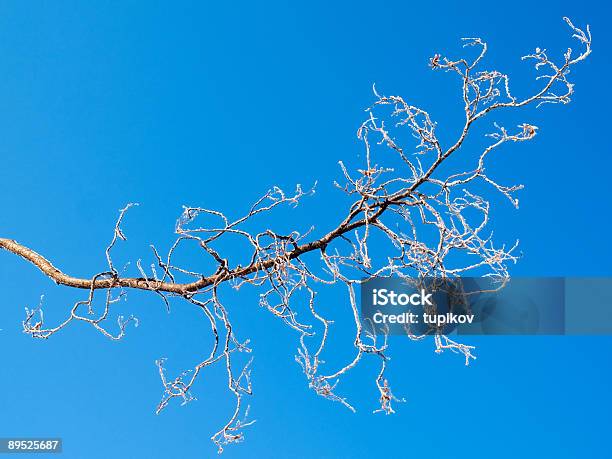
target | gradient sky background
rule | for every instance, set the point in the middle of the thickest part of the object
(211, 103)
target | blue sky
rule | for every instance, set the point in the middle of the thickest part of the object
(211, 104)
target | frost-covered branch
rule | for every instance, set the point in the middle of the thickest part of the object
(414, 215)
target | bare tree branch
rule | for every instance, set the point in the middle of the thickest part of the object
(429, 216)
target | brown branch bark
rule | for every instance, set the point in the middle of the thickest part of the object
(60, 278)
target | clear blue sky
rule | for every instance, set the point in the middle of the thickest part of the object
(103, 103)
